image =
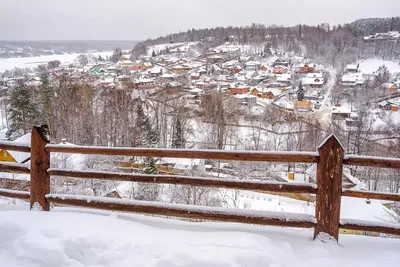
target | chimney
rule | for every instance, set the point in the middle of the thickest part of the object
(64, 141)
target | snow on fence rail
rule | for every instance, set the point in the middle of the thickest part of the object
(14, 167)
(189, 180)
(20, 147)
(329, 158)
(188, 211)
(368, 161)
(14, 193)
(308, 157)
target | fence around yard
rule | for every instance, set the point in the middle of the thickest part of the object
(329, 158)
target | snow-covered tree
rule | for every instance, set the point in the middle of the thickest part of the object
(23, 110)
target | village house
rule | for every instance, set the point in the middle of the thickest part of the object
(195, 76)
(172, 87)
(144, 83)
(147, 65)
(303, 105)
(252, 65)
(390, 88)
(127, 64)
(313, 80)
(214, 58)
(280, 69)
(340, 113)
(280, 61)
(246, 99)
(156, 71)
(180, 68)
(389, 105)
(237, 69)
(307, 68)
(238, 88)
(352, 68)
(16, 156)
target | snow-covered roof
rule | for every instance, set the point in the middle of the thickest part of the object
(21, 157)
(352, 67)
(196, 90)
(312, 81)
(341, 110)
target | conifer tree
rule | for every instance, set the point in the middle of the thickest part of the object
(178, 140)
(46, 95)
(23, 110)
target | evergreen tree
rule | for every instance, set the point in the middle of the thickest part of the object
(150, 166)
(300, 93)
(117, 55)
(23, 110)
(46, 95)
(178, 140)
(153, 54)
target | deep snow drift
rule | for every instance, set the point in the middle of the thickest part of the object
(82, 237)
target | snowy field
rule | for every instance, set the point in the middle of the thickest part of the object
(32, 62)
(368, 66)
(81, 237)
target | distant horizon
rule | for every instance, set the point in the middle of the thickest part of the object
(44, 20)
(184, 30)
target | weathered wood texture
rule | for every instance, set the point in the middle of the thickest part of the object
(188, 180)
(329, 181)
(40, 162)
(14, 193)
(379, 162)
(309, 157)
(241, 216)
(9, 145)
(14, 167)
(371, 195)
(371, 228)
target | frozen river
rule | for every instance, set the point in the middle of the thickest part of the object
(32, 62)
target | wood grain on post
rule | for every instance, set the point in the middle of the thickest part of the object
(40, 162)
(329, 181)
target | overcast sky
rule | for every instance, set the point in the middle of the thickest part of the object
(142, 19)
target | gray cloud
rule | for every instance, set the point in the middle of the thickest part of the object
(141, 19)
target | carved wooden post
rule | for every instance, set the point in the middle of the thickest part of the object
(40, 162)
(329, 181)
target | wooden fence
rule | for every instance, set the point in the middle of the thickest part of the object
(329, 158)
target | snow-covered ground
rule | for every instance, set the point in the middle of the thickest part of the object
(32, 62)
(370, 65)
(81, 237)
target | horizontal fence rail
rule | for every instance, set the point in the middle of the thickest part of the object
(190, 180)
(371, 195)
(368, 161)
(20, 147)
(14, 193)
(307, 157)
(14, 167)
(361, 225)
(188, 211)
(328, 191)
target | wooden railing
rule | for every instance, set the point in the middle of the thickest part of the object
(330, 159)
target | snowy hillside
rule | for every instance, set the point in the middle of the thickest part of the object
(79, 237)
(369, 66)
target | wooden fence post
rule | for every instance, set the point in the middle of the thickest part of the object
(40, 162)
(329, 181)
